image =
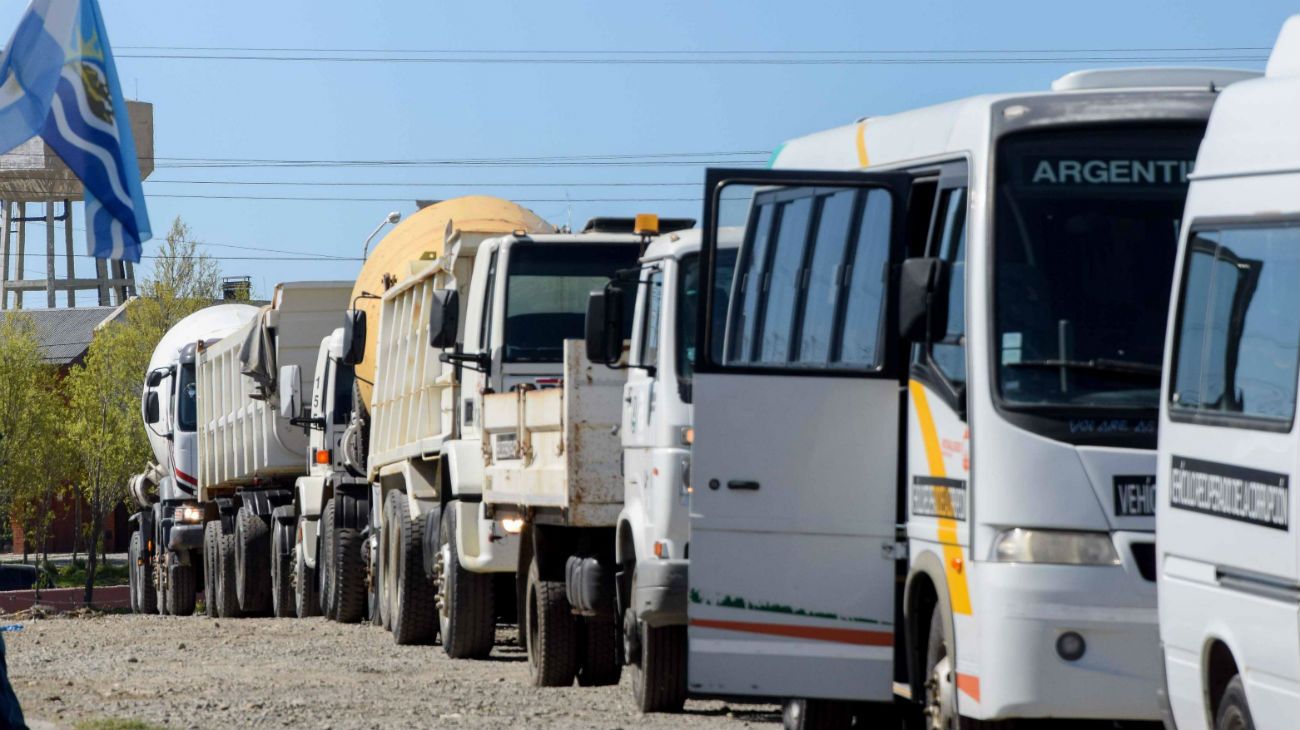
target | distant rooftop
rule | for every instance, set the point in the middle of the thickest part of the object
(65, 333)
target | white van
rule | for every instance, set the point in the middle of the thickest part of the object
(1230, 559)
(925, 450)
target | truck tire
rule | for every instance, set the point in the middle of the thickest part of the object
(551, 631)
(211, 574)
(252, 563)
(146, 598)
(325, 562)
(659, 674)
(132, 574)
(306, 597)
(1234, 713)
(349, 576)
(282, 598)
(384, 599)
(414, 616)
(180, 586)
(226, 599)
(599, 660)
(466, 610)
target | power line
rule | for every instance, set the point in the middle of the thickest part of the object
(666, 52)
(576, 61)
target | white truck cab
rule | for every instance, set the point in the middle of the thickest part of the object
(1229, 556)
(924, 451)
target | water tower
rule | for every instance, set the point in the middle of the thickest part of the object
(36, 187)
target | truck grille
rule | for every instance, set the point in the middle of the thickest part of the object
(1145, 555)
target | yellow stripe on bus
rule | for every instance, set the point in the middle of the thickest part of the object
(863, 160)
(954, 564)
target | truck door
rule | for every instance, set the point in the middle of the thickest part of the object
(797, 437)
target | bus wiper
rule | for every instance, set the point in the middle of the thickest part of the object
(1139, 370)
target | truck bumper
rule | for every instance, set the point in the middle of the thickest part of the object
(185, 537)
(659, 598)
(1022, 610)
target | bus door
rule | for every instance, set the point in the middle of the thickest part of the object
(796, 463)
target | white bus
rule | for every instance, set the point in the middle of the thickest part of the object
(925, 453)
(1230, 559)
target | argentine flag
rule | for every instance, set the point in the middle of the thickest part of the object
(58, 80)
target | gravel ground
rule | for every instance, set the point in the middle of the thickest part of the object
(196, 672)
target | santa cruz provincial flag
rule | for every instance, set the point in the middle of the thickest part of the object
(57, 79)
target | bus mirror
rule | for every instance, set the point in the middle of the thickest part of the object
(290, 391)
(605, 326)
(354, 336)
(923, 299)
(444, 316)
(151, 415)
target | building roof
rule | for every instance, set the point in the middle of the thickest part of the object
(65, 333)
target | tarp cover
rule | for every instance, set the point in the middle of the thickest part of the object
(258, 356)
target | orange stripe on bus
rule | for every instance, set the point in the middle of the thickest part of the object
(954, 562)
(857, 637)
(863, 160)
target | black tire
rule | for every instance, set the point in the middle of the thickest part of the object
(659, 677)
(1234, 712)
(226, 599)
(349, 576)
(373, 584)
(252, 563)
(283, 604)
(414, 617)
(551, 631)
(325, 559)
(819, 714)
(937, 649)
(133, 571)
(600, 660)
(146, 600)
(306, 597)
(181, 582)
(211, 573)
(466, 608)
(382, 571)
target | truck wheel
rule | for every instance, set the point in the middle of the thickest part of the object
(821, 714)
(226, 599)
(145, 597)
(600, 664)
(413, 612)
(349, 576)
(552, 632)
(252, 562)
(212, 575)
(466, 610)
(306, 597)
(282, 598)
(373, 584)
(384, 599)
(659, 674)
(325, 562)
(132, 576)
(1234, 713)
(180, 586)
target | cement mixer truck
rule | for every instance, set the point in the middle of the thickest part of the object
(165, 570)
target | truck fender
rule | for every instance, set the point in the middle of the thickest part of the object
(465, 467)
(927, 569)
(432, 539)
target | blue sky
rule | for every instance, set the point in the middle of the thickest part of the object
(222, 109)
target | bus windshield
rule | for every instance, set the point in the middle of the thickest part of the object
(546, 294)
(187, 415)
(1085, 234)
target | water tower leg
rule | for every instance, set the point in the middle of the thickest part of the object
(49, 255)
(67, 240)
(4, 253)
(130, 279)
(22, 251)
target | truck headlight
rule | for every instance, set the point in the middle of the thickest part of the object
(1054, 547)
(512, 525)
(189, 513)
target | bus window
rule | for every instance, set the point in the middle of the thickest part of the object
(949, 354)
(1238, 343)
(859, 345)
(823, 283)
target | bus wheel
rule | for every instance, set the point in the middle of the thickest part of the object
(818, 714)
(1234, 713)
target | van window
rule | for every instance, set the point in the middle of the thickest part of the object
(949, 354)
(1238, 343)
(811, 280)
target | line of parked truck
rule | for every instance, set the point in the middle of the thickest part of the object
(885, 437)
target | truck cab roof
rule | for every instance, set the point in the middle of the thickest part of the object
(680, 243)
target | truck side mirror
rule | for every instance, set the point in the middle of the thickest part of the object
(604, 330)
(444, 318)
(354, 336)
(923, 299)
(155, 377)
(290, 391)
(151, 414)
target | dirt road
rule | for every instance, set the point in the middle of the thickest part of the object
(202, 673)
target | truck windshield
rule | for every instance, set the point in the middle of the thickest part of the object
(688, 308)
(1086, 229)
(546, 294)
(187, 416)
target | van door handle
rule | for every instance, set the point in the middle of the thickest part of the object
(744, 484)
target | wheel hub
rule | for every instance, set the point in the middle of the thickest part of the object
(440, 579)
(941, 697)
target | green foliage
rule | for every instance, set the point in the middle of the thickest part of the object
(73, 575)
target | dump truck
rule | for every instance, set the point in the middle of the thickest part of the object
(250, 453)
(437, 366)
(653, 527)
(165, 570)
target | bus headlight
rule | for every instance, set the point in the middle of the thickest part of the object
(1054, 547)
(189, 513)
